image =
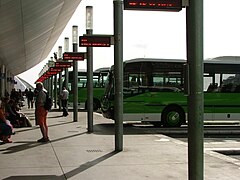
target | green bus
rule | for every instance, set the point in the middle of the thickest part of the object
(154, 90)
(99, 78)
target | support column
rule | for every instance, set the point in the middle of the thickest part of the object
(60, 76)
(194, 14)
(55, 91)
(75, 74)
(118, 73)
(89, 31)
(66, 49)
(3, 79)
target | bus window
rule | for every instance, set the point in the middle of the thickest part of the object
(230, 82)
(158, 81)
(167, 80)
(135, 80)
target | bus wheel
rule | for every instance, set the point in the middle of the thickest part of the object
(173, 116)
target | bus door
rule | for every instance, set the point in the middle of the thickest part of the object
(210, 94)
(227, 102)
(133, 97)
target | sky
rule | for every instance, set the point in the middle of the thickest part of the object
(152, 34)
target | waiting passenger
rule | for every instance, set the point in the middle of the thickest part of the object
(9, 112)
(17, 118)
(6, 129)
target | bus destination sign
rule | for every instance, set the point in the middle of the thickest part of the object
(74, 56)
(95, 41)
(153, 5)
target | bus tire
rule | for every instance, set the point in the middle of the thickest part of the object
(173, 116)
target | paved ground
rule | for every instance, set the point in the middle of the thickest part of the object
(74, 154)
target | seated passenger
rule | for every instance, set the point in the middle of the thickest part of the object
(10, 113)
(6, 129)
(21, 119)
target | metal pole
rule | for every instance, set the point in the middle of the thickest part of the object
(118, 73)
(196, 98)
(75, 75)
(5, 82)
(89, 30)
(51, 86)
(60, 76)
(60, 89)
(66, 49)
(55, 91)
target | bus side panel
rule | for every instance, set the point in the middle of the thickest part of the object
(133, 116)
(225, 106)
(133, 104)
(157, 101)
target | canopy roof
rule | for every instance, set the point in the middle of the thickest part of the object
(29, 29)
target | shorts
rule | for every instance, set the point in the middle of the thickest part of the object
(41, 114)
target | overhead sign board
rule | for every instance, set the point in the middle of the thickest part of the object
(77, 56)
(63, 64)
(153, 5)
(50, 73)
(55, 69)
(95, 41)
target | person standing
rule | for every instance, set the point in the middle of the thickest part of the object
(30, 95)
(64, 99)
(41, 112)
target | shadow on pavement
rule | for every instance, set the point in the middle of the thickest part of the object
(67, 175)
(37, 177)
(32, 144)
(89, 164)
(34, 128)
(55, 116)
(128, 129)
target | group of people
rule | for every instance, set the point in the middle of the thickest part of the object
(11, 117)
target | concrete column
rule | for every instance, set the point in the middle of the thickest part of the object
(3, 79)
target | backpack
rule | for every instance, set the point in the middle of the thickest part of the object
(48, 103)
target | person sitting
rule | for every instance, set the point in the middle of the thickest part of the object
(10, 113)
(18, 118)
(6, 129)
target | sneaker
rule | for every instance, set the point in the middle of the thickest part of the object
(43, 140)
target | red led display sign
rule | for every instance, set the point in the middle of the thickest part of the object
(74, 56)
(63, 64)
(95, 41)
(51, 73)
(153, 5)
(55, 69)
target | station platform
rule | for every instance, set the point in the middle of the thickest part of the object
(75, 154)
